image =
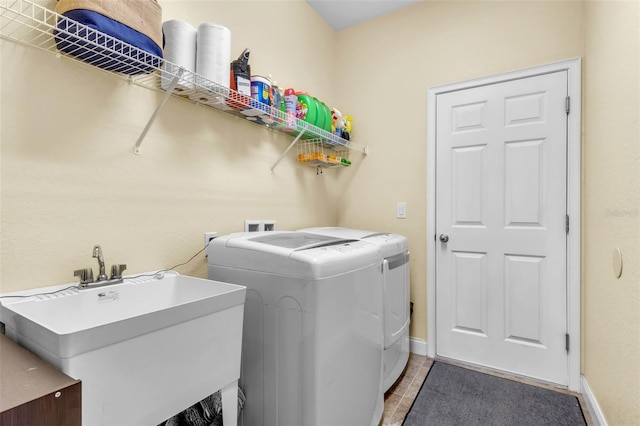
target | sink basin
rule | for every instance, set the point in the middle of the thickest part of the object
(82, 320)
(144, 349)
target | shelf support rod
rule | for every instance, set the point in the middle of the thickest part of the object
(286, 151)
(167, 94)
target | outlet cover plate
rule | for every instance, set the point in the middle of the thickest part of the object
(268, 225)
(251, 225)
(208, 236)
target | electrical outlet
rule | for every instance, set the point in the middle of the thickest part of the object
(252, 226)
(208, 236)
(268, 225)
(259, 225)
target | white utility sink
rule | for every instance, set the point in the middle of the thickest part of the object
(144, 349)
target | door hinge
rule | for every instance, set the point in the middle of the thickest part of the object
(567, 104)
(566, 223)
(566, 336)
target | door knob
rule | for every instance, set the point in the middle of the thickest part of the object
(444, 238)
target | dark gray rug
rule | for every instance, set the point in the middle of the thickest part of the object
(453, 395)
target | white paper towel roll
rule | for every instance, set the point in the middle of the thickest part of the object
(213, 54)
(179, 49)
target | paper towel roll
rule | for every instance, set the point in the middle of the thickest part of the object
(180, 50)
(213, 56)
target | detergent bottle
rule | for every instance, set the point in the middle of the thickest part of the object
(290, 102)
(240, 78)
(275, 95)
(306, 109)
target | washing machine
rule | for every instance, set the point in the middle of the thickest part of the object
(312, 339)
(395, 253)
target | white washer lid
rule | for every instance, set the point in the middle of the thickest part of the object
(289, 240)
(334, 231)
(292, 253)
(390, 244)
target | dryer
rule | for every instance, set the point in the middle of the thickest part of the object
(395, 253)
(312, 339)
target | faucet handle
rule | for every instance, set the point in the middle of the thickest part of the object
(85, 275)
(116, 271)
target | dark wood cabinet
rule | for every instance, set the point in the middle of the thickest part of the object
(33, 392)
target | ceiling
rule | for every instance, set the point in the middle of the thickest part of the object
(341, 14)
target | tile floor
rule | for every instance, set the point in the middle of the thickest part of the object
(399, 398)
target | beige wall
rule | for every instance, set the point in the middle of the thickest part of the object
(394, 59)
(385, 67)
(611, 208)
(70, 179)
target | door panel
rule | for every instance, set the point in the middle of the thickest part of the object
(523, 185)
(523, 298)
(468, 281)
(469, 205)
(501, 199)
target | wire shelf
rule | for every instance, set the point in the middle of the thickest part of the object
(27, 23)
(321, 154)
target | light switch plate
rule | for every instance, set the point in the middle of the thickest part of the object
(401, 210)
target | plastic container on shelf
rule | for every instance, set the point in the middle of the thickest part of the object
(328, 120)
(320, 114)
(275, 96)
(261, 89)
(306, 108)
(240, 81)
(290, 102)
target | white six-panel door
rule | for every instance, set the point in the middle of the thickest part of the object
(501, 191)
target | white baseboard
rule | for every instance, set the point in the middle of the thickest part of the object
(418, 346)
(592, 403)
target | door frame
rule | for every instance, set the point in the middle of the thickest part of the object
(573, 68)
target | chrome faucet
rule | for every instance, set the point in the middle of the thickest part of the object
(97, 253)
(86, 275)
